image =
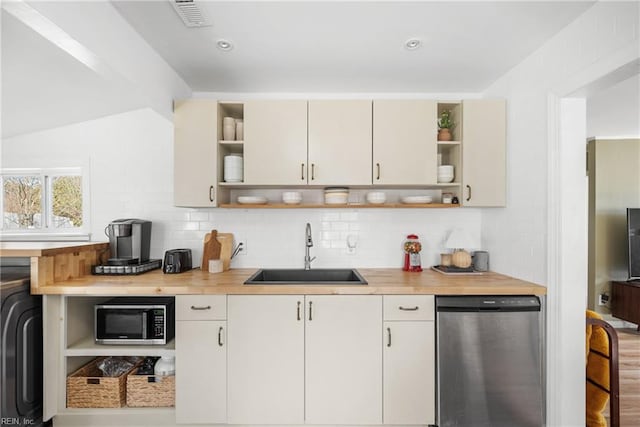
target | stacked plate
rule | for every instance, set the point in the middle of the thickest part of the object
(445, 173)
(252, 200)
(336, 195)
(416, 199)
(233, 168)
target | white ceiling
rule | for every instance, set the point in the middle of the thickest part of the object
(290, 46)
(334, 46)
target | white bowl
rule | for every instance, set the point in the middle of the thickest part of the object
(291, 197)
(445, 170)
(336, 198)
(445, 178)
(376, 197)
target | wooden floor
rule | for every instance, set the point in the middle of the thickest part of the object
(629, 360)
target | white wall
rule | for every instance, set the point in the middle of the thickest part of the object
(131, 162)
(615, 111)
(604, 38)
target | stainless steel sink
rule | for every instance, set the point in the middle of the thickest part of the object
(317, 276)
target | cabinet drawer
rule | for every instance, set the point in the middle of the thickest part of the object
(408, 307)
(201, 307)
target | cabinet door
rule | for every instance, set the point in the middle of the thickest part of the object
(275, 142)
(195, 153)
(405, 142)
(340, 142)
(343, 369)
(266, 359)
(409, 373)
(483, 152)
(201, 372)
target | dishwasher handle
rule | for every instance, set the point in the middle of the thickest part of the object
(499, 303)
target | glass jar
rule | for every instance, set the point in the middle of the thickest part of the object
(412, 248)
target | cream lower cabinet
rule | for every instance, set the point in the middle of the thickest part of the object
(296, 359)
(201, 359)
(343, 369)
(484, 152)
(405, 142)
(266, 359)
(339, 138)
(195, 153)
(409, 360)
(275, 142)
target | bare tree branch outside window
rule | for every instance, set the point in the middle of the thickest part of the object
(22, 202)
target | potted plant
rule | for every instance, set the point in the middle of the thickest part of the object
(445, 125)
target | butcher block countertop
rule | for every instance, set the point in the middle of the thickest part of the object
(29, 249)
(381, 281)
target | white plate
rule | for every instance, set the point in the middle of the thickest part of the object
(252, 200)
(416, 199)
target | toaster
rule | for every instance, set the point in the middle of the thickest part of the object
(177, 261)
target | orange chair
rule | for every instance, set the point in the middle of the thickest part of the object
(602, 372)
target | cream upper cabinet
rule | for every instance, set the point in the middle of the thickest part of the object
(340, 136)
(195, 153)
(275, 142)
(483, 152)
(266, 359)
(404, 142)
(343, 369)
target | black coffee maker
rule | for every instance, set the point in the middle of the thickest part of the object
(129, 241)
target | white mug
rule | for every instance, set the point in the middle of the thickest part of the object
(215, 266)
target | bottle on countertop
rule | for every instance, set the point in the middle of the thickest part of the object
(412, 248)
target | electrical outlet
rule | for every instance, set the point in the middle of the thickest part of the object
(603, 299)
(241, 244)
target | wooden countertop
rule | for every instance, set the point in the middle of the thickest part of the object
(381, 281)
(29, 249)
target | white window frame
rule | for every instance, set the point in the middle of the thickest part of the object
(46, 232)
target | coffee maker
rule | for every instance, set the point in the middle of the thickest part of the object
(129, 241)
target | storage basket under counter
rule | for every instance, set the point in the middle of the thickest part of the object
(87, 387)
(151, 390)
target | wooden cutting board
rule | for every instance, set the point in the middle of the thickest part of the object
(226, 243)
(211, 250)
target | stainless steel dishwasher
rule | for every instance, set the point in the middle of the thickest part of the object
(490, 361)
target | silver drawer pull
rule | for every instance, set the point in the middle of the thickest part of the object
(193, 307)
(408, 308)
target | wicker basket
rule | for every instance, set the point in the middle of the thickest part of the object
(151, 390)
(87, 388)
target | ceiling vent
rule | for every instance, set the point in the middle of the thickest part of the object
(191, 13)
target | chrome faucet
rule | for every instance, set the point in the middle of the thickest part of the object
(308, 244)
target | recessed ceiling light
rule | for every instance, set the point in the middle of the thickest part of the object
(412, 44)
(225, 45)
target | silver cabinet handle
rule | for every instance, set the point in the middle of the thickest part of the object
(299, 310)
(310, 310)
(468, 193)
(408, 308)
(220, 337)
(388, 337)
(193, 307)
(302, 171)
(211, 194)
(378, 168)
(313, 171)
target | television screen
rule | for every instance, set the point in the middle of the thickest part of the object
(633, 240)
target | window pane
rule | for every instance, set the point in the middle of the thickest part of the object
(22, 202)
(67, 201)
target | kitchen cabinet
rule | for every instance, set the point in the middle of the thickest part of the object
(339, 141)
(275, 142)
(409, 360)
(266, 359)
(296, 359)
(201, 359)
(483, 153)
(404, 142)
(195, 153)
(343, 381)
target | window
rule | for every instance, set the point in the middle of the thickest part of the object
(37, 203)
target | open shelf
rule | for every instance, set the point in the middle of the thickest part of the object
(88, 347)
(347, 206)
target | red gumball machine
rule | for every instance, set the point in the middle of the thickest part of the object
(412, 248)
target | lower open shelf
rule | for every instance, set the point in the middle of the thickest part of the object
(88, 347)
